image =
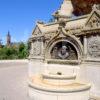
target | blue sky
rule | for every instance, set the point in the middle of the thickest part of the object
(20, 16)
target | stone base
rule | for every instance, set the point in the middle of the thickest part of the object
(45, 95)
(41, 90)
(41, 95)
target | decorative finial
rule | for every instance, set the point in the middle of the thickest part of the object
(96, 6)
(65, 10)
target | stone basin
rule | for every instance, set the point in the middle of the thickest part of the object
(37, 82)
(43, 90)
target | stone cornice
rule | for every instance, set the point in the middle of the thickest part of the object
(89, 31)
(71, 19)
(38, 37)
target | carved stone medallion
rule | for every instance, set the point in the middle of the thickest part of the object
(63, 52)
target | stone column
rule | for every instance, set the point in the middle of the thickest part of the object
(32, 45)
(42, 47)
(85, 47)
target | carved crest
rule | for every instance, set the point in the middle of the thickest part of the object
(36, 31)
(93, 21)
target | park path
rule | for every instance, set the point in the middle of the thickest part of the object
(13, 81)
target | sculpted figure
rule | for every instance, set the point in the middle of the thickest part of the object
(63, 52)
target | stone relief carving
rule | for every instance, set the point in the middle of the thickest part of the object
(63, 51)
(94, 22)
(37, 48)
(55, 52)
(36, 32)
(49, 37)
(94, 46)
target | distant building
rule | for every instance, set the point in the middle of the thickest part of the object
(8, 39)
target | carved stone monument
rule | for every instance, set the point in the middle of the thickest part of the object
(65, 56)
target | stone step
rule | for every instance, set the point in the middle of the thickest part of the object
(44, 91)
(58, 79)
(58, 76)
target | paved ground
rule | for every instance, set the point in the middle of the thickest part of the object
(13, 82)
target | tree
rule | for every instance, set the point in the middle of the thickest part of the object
(20, 51)
(8, 53)
(23, 51)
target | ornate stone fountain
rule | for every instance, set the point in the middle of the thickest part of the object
(57, 85)
(59, 56)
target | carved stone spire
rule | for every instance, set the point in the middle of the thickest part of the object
(8, 39)
(65, 10)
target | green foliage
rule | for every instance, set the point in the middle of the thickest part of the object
(14, 52)
(23, 51)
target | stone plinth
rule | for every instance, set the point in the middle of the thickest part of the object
(41, 89)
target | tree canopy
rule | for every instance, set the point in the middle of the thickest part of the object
(18, 51)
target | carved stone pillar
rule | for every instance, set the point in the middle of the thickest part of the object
(85, 47)
(32, 47)
(41, 48)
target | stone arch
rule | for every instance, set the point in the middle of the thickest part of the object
(67, 38)
(64, 50)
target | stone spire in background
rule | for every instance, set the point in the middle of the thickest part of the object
(65, 10)
(8, 39)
